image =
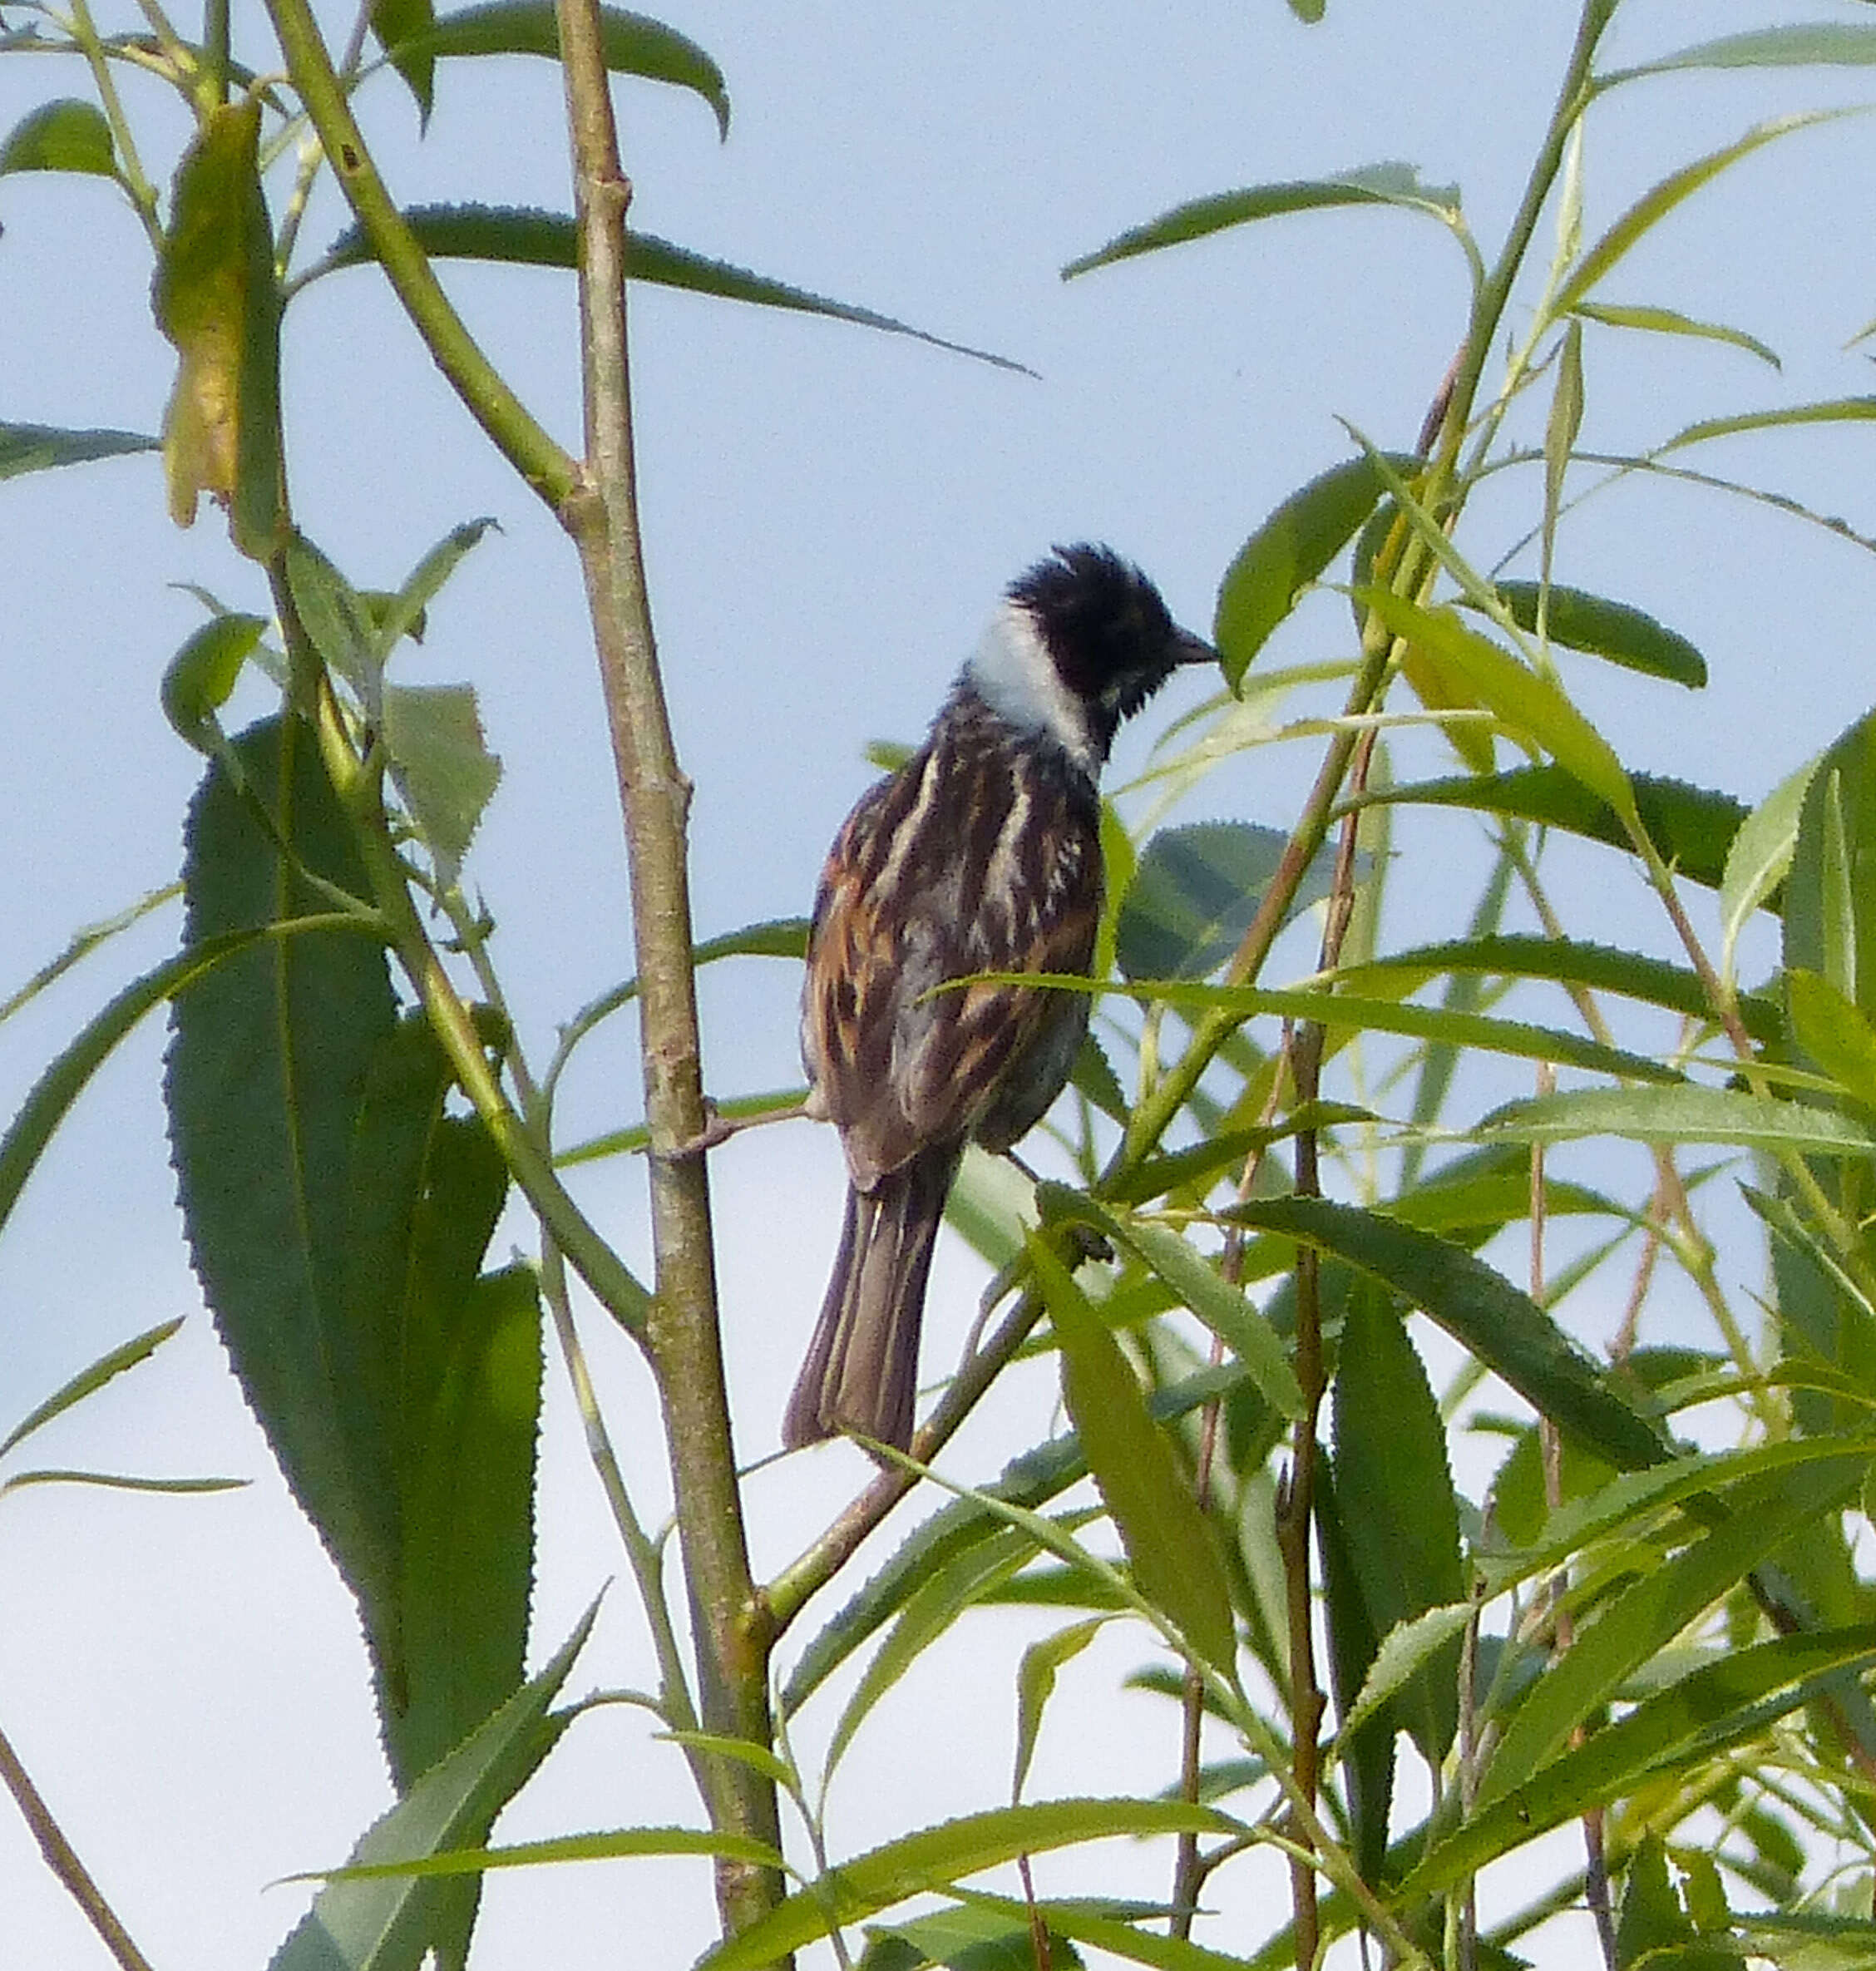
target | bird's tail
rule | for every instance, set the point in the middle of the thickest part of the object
(861, 1370)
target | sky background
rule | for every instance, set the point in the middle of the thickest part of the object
(830, 514)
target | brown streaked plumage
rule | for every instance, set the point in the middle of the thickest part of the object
(981, 854)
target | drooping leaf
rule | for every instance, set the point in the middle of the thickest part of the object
(1300, 539)
(442, 766)
(1692, 826)
(201, 676)
(1195, 892)
(519, 237)
(1035, 1684)
(1403, 1526)
(64, 135)
(1668, 321)
(1169, 1542)
(37, 447)
(1624, 635)
(935, 1858)
(1480, 1309)
(388, 1924)
(216, 298)
(632, 43)
(1371, 185)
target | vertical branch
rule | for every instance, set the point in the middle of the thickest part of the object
(732, 1637)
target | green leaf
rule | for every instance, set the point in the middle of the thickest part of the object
(1839, 410)
(1170, 1544)
(618, 1844)
(1760, 860)
(334, 618)
(1035, 1685)
(125, 1355)
(1403, 1523)
(963, 1937)
(1479, 1308)
(1626, 636)
(1561, 428)
(1838, 1036)
(1687, 1114)
(1602, 968)
(1666, 321)
(934, 1858)
(216, 298)
(1288, 552)
(1371, 185)
(387, 1924)
(201, 676)
(1830, 891)
(1811, 44)
(64, 135)
(1659, 200)
(1613, 1760)
(397, 23)
(402, 615)
(1531, 707)
(1645, 1616)
(1692, 826)
(1101, 1925)
(1365, 1747)
(1195, 892)
(528, 238)
(1406, 1654)
(37, 447)
(441, 765)
(632, 45)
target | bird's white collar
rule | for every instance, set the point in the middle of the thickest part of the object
(1016, 677)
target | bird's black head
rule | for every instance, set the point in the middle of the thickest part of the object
(1112, 640)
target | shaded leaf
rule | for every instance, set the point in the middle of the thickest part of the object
(1365, 1745)
(334, 618)
(1760, 859)
(216, 298)
(1170, 1544)
(1371, 185)
(632, 44)
(962, 1937)
(1666, 321)
(398, 24)
(934, 1858)
(387, 1924)
(1692, 826)
(1625, 635)
(529, 238)
(1806, 45)
(64, 135)
(1839, 410)
(113, 1363)
(1838, 1036)
(1687, 1114)
(402, 615)
(1288, 552)
(1481, 1310)
(1830, 891)
(36, 447)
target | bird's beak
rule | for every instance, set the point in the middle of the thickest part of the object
(1194, 649)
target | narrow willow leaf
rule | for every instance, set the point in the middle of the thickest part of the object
(64, 135)
(1035, 1685)
(1830, 891)
(1837, 1034)
(1365, 1752)
(398, 24)
(442, 765)
(1561, 428)
(402, 615)
(1373, 185)
(934, 1858)
(1666, 321)
(1529, 705)
(1602, 968)
(1195, 892)
(388, 1924)
(1625, 635)
(1645, 1616)
(1760, 860)
(1692, 826)
(758, 1758)
(965, 1937)
(334, 618)
(1813, 44)
(216, 298)
(1118, 1929)
(529, 238)
(1840, 410)
(125, 1355)
(619, 1844)
(1481, 1310)
(1170, 1544)
(37, 447)
(201, 676)
(1402, 1520)
(631, 44)
(1288, 552)
(120, 1481)
(1655, 205)
(1405, 1653)
(1201, 1163)
(1687, 1114)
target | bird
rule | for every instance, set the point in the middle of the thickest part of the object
(981, 854)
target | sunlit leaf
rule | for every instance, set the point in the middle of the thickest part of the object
(1668, 321)
(202, 674)
(1624, 635)
(1839, 410)
(1760, 859)
(1685, 1114)
(1035, 1684)
(36, 447)
(442, 764)
(64, 135)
